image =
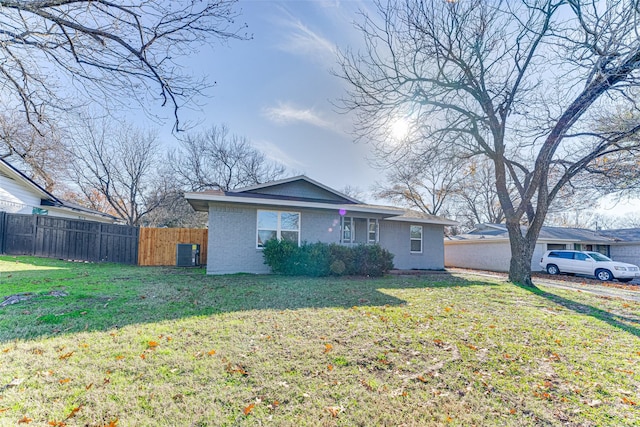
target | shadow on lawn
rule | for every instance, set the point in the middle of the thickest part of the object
(627, 324)
(137, 295)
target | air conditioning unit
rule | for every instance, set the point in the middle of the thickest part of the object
(187, 255)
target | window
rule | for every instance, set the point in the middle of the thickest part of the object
(348, 230)
(415, 234)
(555, 246)
(565, 255)
(278, 225)
(372, 226)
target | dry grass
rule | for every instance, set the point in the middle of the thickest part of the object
(168, 347)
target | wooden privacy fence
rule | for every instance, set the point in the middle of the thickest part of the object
(158, 245)
(71, 239)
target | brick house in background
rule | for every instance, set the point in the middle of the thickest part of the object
(301, 209)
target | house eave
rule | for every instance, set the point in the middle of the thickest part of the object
(201, 202)
(436, 221)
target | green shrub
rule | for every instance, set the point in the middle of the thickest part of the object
(277, 255)
(322, 259)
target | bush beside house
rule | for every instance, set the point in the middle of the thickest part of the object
(322, 259)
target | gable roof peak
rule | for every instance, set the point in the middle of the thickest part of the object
(293, 179)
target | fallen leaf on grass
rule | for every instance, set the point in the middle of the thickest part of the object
(119, 357)
(4, 410)
(328, 347)
(247, 410)
(628, 401)
(211, 352)
(152, 345)
(112, 423)
(66, 355)
(57, 423)
(64, 380)
(89, 386)
(421, 379)
(73, 412)
(333, 410)
(143, 356)
(472, 347)
(24, 420)
(236, 369)
(512, 411)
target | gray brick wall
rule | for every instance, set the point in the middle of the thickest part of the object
(232, 239)
(394, 236)
(232, 236)
(626, 253)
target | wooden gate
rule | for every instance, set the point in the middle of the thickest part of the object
(158, 245)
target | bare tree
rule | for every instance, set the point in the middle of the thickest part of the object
(119, 167)
(215, 159)
(475, 195)
(522, 83)
(40, 155)
(53, 50)
(425, 181)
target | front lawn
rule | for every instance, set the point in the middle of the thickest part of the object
(104, 344)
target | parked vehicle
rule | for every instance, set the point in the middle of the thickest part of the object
(588, 263)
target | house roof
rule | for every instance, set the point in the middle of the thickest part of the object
(48, 199)
(305, 178)
(629, 235)
(263, 195)
(499, 232)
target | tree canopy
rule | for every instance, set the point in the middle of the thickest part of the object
(526, 84)
(56, 54)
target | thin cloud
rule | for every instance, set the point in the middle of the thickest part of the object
(302, 40)
(286, 114)
(275, 153)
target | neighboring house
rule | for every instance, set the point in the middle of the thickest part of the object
(626, 244)
(300, 209)
(486, 247)
(19, 194)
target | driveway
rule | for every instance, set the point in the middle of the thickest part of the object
(628, 291)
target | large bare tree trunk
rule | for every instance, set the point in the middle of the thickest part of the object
(521, 255)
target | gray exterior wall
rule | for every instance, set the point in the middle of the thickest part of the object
(233, 228)
(626, 253)
(232, 236)
(484, 255)
(394, 236)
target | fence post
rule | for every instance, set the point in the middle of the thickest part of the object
(34, 234)
(99, 243)
(3, 227)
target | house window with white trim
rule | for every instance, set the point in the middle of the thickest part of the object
(415, 237)
(278, 225)
(372, 226)
(348, 230)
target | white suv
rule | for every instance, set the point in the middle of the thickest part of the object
(588, 263)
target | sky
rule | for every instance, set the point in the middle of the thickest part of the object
(277, 89)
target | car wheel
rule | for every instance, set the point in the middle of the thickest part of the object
(604, 275)
(625, 280)
(553, 269)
